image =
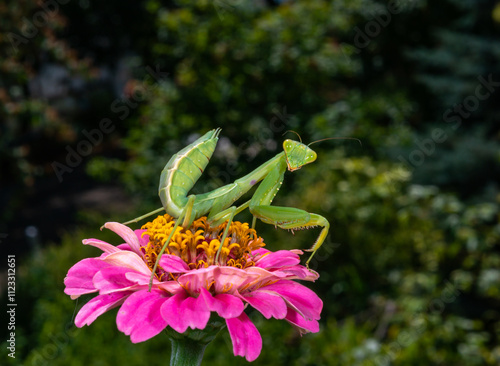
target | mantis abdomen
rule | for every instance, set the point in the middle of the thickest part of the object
(183, 170)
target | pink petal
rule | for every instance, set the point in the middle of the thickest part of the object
(111, 279)
(171, 312)
(246, 339)
(153, 323)
(140, 315)
(285, 264)
(256, 278)
(129, 260)
(312, 275)
(195, 280)
(98, 306)
(127, 234)
(227, 306)
(260, 252)
(296, 272)
(171, 287)
(304, 326)
(278, 259)
(173, 264)
(124, 246)
(231, 279)
(142, 280)
(270, 305)
(78, 281)
(105, 247)
(196, 312)
(298, 297)
(143, 240)
(182, 311)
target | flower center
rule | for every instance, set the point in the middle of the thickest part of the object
(198, 244)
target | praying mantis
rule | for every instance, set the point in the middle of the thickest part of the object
(185, 167)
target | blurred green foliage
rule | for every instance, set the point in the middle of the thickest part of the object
(410, 271)
(27, 124)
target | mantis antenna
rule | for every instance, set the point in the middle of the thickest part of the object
(337, 138)
(294, 133)
(328, 138)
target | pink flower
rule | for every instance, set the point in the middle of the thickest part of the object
(189, 285)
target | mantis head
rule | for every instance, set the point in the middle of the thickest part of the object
(297, 154)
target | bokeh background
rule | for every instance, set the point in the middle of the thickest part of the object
(96, 96)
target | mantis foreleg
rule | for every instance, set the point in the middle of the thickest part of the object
(293, 218)
(284, 217)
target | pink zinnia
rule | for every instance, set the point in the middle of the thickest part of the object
(189, 284)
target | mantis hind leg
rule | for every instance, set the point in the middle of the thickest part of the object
(216, 219)
(184, 216)
(137, 219)
(230, 219)
(293, 219)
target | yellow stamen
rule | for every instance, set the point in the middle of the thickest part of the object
(197, 245)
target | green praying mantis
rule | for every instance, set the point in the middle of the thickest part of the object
(185, 168)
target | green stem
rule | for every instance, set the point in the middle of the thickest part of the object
(186, 352)
(188, 348)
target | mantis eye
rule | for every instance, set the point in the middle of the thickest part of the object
(310, 157)
(287, 145)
